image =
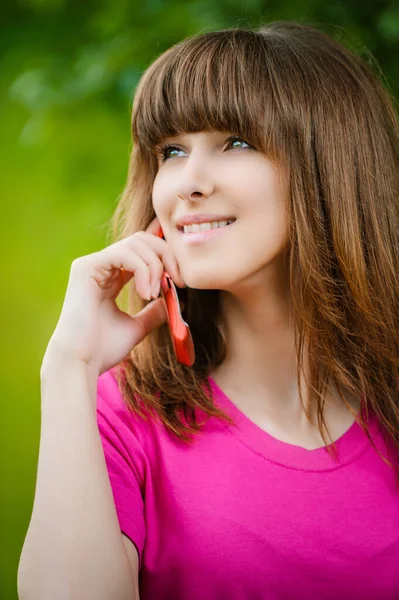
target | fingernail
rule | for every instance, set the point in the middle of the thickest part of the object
(149, 292)
(156, 290)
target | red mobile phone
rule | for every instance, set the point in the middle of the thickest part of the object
(178, 328)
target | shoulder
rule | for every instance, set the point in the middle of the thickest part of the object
(112, 408)
(107, 386)
(116, 416)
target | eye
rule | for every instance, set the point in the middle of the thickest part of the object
(163, 151)
(234, 139)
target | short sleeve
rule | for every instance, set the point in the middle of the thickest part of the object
(125, 460)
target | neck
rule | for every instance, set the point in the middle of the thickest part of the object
(260, 365)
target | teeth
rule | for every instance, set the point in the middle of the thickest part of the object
(196, 228)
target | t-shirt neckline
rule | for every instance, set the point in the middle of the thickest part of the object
(352, 443)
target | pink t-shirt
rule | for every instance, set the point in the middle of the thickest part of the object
(243, 515)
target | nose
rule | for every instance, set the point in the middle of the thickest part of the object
(193, 185)
(189, 196)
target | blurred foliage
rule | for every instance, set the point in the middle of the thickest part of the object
(68, 73)
(61, 54)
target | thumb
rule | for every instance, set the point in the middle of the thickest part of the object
(152, 316)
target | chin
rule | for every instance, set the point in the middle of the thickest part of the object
(208, 282)
(204, 284)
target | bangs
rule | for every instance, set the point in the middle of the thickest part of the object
(211, 82)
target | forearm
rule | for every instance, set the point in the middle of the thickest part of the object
(73, 548)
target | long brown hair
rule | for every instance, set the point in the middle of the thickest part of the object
(320, 112)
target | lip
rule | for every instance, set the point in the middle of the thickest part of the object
(200, 218)
(194, 239)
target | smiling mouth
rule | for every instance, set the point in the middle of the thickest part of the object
(193, 238)
(198, 230)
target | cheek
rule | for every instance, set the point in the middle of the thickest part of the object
(261, 238)
(264, 212)
(270, 225)
(160, 194)
(257, 242)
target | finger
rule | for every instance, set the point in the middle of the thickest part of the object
(120, 257)
(151, 259)
(162, 249)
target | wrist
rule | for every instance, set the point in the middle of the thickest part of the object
(57, 361)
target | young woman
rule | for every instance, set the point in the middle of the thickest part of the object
(269, 468)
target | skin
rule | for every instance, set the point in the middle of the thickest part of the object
(204, 173)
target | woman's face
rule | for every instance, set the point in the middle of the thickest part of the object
(206, 172)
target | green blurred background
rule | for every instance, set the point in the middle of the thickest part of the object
(67, 77)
